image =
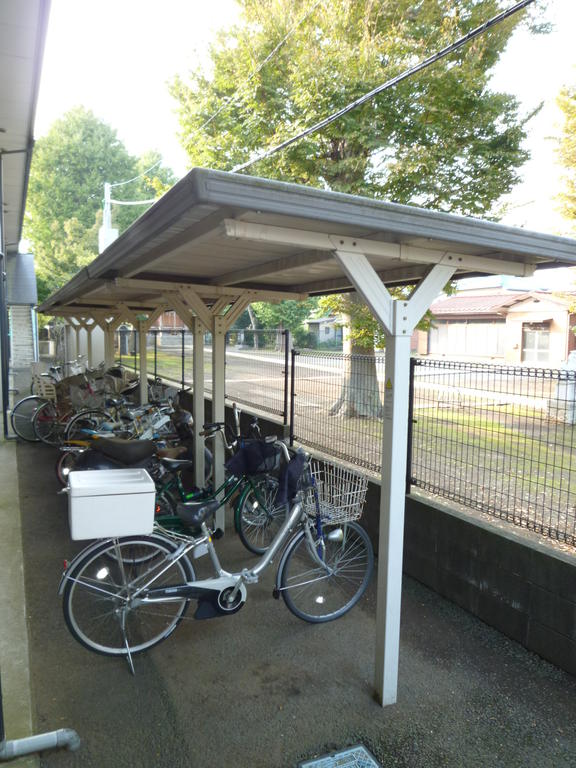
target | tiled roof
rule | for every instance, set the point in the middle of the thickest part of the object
(490, 305)
(476, 305)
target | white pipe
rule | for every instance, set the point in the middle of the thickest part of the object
(65, 737)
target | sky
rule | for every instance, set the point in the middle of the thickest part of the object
(115, 57)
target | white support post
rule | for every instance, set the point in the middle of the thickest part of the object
(77, 331)
(108, 346)
(198, 331)
(218, 408)
(89, 329)
(143, 362)
(399, 319)
(392, 501)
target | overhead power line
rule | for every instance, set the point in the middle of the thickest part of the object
(388, 84)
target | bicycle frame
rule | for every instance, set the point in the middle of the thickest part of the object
(223, 580)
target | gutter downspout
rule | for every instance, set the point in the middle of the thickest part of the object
(4, 345)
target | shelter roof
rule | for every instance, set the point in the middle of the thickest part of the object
(222, 235)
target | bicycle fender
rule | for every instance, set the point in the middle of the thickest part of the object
(285, 554)
(71, 563)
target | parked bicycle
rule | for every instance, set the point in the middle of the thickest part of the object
(122, 596)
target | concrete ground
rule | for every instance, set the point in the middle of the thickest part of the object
(262, 689)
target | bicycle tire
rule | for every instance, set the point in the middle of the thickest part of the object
(90, 419)
(100, 580)
(65, 463)
(47, 424)
(22, 415)
(256, 517)
(306, 587)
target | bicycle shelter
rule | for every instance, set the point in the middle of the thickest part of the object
(218, 241)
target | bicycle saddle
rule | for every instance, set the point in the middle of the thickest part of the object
(125, 451)
(193, 513)
(172, 464)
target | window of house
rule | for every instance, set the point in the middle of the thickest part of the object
(535, 342)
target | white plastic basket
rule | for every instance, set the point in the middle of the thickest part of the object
(341, 493)
(110, 503)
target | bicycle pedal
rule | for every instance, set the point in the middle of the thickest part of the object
(218, 533)
(276, 593)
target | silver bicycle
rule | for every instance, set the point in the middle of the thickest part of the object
(123, 596)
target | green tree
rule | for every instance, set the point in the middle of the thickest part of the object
(567, 153)
(64, 203)
(441, 139)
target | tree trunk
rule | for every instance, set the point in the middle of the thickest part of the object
(253, 323)
(360, 394)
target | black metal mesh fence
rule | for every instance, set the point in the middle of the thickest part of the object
(257, 369)
(337, 405)
(500, 439)
(256, 363)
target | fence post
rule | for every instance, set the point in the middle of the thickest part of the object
(182, 352)
(292, 394)
(135, 340)
(410, 425)
(155, 337)
(286, 373)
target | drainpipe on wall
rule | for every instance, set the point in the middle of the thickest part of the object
(4, 341)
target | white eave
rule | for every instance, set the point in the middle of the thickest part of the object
(23, 26)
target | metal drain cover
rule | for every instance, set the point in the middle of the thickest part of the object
(352, 757)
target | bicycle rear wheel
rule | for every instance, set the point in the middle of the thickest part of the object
(22, 415)
(98, 607)
(86, 422)
(319, 592)
(256, 517)
(48, 424)
(66, 462)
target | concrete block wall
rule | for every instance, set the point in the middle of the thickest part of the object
(524, 589)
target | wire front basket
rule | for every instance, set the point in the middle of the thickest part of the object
(341, 493)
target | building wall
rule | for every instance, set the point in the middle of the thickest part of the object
(538, 311)
(468, 339)
(22, 346)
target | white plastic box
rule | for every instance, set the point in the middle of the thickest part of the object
(108, 503)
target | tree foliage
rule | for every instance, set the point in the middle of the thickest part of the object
(441, 139)
(64, 203)
(289, 315)
(567, 153)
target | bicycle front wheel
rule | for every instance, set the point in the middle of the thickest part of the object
(48, 424)
(22, 415)
(322, 591)
(257, 518)
(99, 608)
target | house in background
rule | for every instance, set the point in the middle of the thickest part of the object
(327, 330)
(508, 326)
(21, 300)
